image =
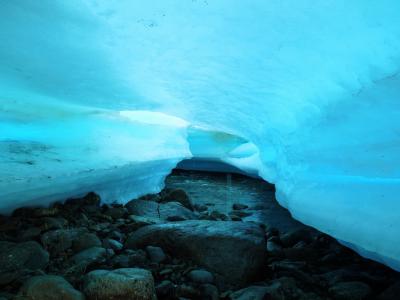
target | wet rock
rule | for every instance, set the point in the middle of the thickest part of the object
(209, 292)
(200, 207)
(130, 258)
(16, 257)
(291, 238)
(116, 212)
(250, 293)
(392, 292)
(233, 250)
(45, 212)
(273, 247)
(284, 288)
(29, 234)
(143, 221)
(59, 240)
(48, 287)
(160, 211)
(112, 244)
(187, 291)
(89, 256)
(91, 199)
(180, 196)
(127, 283)
(216, 215)
(201, 276)
(156, 254)
(85, 241)
(238, 206)
(165, 289)
(353, 290)
(49, 223)
(240, 213)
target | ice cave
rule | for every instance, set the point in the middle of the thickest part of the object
(295, 99)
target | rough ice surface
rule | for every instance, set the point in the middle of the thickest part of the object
(305, 93)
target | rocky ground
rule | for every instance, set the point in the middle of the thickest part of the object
(203, 237)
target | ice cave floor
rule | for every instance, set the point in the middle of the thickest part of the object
(205, 236)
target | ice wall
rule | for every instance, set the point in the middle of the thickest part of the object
(314, 85)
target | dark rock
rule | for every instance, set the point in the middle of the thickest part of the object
(160, 211)
(178, 195)
(165, 289)
(126, 283)
(200, 207)
(112, 244)
(200, 276)
(116, 212)
(273, 247)
(49, 223)
(144, 221)
(238, 206)
(85, 241)
(90, 199)
(272, 232)
(89, 256)
(29, 234)
(284, 288)
(156, 254)
(130, 258)
(175, 218)
(59, 240)
(240, 213)
(187, 291)
(291, 238)
(392, 292)
(209, 292)
(45, 212)
(17, 257)
(233, 250)
(48, 287)
(216, 215)
(353, 290)
(250, 293)
(235, 217)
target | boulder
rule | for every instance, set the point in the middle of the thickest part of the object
(180, 196)
(353, 290)
(85, 241)
(161, 211)
(250, 293)
(126, 283)
(391, 292)
(234, 251)
(201, 276)
(59, 240)
(49, 287)
(17, 257)
(156, 254)
(89, 256)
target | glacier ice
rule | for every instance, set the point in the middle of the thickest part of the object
(304, 93)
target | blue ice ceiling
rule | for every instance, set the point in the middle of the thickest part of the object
(111, 95)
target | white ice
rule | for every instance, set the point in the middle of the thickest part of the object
(304, 93)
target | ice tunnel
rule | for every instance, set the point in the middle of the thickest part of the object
(111, 95)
